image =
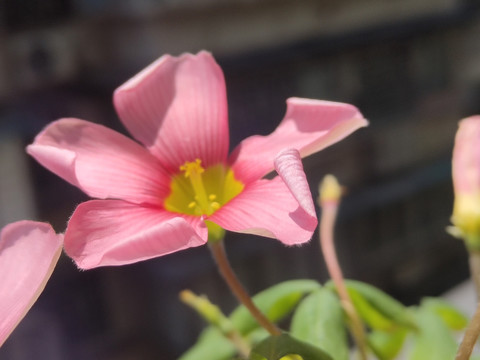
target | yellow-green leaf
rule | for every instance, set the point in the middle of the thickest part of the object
(454, 319)
(387, 345)
(433, 340)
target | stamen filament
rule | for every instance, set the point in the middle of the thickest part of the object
(193, 171)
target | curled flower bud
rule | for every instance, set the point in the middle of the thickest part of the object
(466, 182)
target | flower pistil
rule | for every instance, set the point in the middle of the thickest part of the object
(199, 191)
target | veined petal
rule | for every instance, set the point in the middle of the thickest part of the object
(29, 252)
(114, 232)
(308, 126)
(289, 166)
(101, 162)
(177, 107)
(268, 208)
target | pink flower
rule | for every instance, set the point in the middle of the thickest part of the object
(466, 182)
(28, 253)
(155, 198)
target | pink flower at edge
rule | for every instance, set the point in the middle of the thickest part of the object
(29, 252)
(466, 182)
(154, 199)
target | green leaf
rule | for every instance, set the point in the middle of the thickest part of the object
(433, 340)
(387, 345)
(453, 318)
(387, 309)
(276, 347)
(275, 303)
(211, 345)
(319, 321)
(370, 315)
(257, 335)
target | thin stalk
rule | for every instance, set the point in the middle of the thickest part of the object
(470, 338)
(218, 252)
(330, 194)
(473, 329)
(214, 316)
(474, 260)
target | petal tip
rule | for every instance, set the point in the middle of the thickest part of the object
(133, 82)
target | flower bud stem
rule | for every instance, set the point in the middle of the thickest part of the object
(473, 329)
(330, 193)
(470, 338)
(218, 252)
(474, 260)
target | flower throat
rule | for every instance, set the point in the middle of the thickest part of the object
(199, 191)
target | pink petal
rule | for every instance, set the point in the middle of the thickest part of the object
(177, 107)
(268, 208)
(100, 161)
(29, 252)
(114, 232)
(289, 166)
(466, 157)
(309, 126)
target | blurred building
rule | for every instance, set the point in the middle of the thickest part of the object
(412, 67)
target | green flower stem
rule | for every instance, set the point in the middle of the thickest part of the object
(214, 316)
(330, 194)
(474, 260)
(218, 252)
(473, 329)
(470, 338)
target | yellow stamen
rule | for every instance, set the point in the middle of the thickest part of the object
(192, 167)
(193, 171)
(201, 191)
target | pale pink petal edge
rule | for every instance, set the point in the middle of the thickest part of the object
(466, 156)
(338, 133)
(53, 251)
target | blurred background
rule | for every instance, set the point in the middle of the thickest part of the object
(412, 67)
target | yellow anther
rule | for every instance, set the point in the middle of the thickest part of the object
(193, 171)
(203, 204)
(192, 168)
(201, 191)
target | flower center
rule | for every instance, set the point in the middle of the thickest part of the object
(199, 191)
